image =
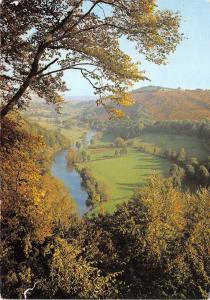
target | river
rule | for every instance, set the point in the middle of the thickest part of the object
(71, 177)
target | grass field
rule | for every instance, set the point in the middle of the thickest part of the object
(122, 175)
(73, 134)
(193, 146)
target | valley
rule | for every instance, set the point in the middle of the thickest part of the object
(105, 149)
(148, 147)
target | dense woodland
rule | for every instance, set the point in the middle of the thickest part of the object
(154, 246)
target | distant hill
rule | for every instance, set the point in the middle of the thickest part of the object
(80, 98)
(152, 88)
(160, 103)
(173, 104)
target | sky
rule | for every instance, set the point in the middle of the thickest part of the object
(187, 68)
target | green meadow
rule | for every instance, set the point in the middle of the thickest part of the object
(194, 147)
(122, 175)
(73, 134)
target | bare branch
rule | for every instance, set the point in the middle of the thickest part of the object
(30, 289)
(47, 66)
(73, 67)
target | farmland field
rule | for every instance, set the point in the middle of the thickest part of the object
(194, 147)
(73, 134)
(122, 175)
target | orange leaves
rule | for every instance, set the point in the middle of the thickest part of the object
(164, 104)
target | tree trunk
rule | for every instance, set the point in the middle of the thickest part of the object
(33, 72)
(9, 106)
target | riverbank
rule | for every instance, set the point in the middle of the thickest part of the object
(71, 177)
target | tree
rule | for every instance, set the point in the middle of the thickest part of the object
(177, 174)
(78, 145)
(33, 205)
(102, 191)
(190, 170)
(193, 161)
(120, 142)
(42, 39)
(71, 275)
(173, 170)
(84, 155)
(203, 174)
(116, 153)
(72, 156)
(173, 154)
(181, 157)
(130, 143)
(168, 153)
(157, 242)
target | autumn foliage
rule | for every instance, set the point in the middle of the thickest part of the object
(41, 40)
(153, 246)
(175, 104)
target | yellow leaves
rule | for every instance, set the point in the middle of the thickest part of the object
(73, 274)
(116, 113)
(57, 202)
(27, 246)
(12, 277)
(167, 213)
(72, 156)
(118, 67)
(123, 99)
(58, 99)
(37, 200)
(120, 99)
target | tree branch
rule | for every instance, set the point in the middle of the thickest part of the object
(79, 20)
(47, 66)
(11, 78)
(73, 67)
(84, 75)
(26, 83)
(30, 289)
(66, 19)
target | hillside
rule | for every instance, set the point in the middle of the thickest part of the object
(160, 103)
(171, 104)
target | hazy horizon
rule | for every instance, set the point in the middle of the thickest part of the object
(93, 97)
